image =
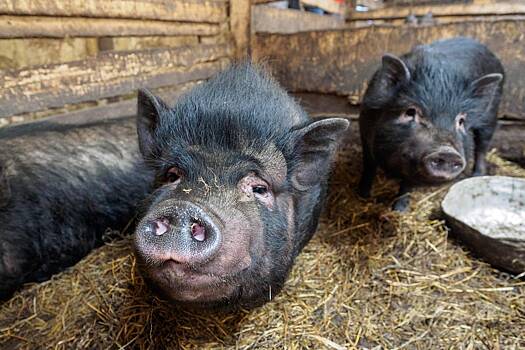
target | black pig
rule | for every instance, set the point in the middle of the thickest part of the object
(62, 184)
(241, 177)
(424, 113)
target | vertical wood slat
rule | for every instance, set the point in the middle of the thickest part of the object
(240, 24)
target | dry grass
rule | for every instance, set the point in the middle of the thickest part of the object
(369, 279)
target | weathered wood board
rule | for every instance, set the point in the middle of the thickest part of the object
(342, 61)
(19, 53)
(211, 11)
(461, 9)
(131, 43)
(267, 19)
(121, 109)
(109, 74)
(60, 27)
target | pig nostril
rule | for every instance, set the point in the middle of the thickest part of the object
(198, 232)
(436, 163)
(161, 226)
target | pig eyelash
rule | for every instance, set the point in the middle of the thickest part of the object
(264, 195)
(173, 175)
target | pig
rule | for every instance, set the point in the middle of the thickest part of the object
(240, 179)
(428, 114)
(63, 183)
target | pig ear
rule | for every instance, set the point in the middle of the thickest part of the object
(487, 85)
(315, 145)
(149, 110)
(385, 81)
(395, 70)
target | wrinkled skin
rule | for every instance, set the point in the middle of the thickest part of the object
(240, 181)
(63, 183)
(428, 114)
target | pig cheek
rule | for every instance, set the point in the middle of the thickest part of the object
(267, 200)
(285, 203)
(239, 233)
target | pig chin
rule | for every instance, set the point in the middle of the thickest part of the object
(182, 284)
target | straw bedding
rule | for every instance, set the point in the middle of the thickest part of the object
(369, 279)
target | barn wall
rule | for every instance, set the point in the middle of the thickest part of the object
(341, 61)
(59, 56)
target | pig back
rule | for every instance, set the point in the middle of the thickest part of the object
(465, 57)
(62, 185)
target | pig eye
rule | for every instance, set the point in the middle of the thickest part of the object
(411, 112)
(260, 189)
(173, 175)
(253, 187)
(460, 122)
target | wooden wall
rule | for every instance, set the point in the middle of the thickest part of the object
(341, 61)
(58, 56)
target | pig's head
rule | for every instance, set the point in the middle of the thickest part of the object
(240, 173)
(424, 134)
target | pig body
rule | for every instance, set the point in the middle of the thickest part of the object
(427, 114)
(62, 185)
(241, 176)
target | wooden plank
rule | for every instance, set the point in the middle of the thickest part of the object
(169, 10)
(19, 53)
(61, 27)
(130, 43)
(267, 19)
(240, 23)
(109, 74)
(341, 62)
(119, 109)
(461, 9)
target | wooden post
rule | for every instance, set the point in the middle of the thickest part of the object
(240, 23)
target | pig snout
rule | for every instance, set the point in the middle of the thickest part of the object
(182, 232)
(444, 164)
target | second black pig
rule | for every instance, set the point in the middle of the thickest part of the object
(426, 114)
(63, 183)
(241, 176)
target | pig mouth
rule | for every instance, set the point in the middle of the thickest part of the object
(184, 283)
